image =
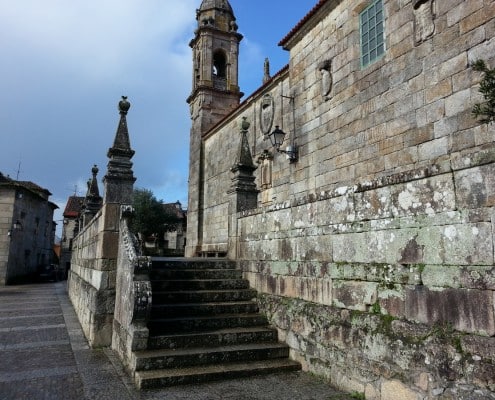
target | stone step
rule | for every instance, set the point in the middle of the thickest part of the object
(221, 337)
(204, 325)
(184, 274)
(160, 326)
(179, 358)
(200, 309)
(203, 296)
(202, 284)
(192, 375)
(192, 263)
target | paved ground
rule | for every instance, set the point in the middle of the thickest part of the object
(44, 355)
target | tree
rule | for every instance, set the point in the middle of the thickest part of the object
(486, 110)
(150, 216)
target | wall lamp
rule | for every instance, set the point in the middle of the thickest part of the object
(277, 138)
(16, 226)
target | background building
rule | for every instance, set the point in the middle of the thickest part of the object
(175, 237)
(70, 228)
(27, 229)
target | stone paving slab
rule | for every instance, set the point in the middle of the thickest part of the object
(45, 356)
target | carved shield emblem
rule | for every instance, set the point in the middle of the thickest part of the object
(267, 112)
(424, 20)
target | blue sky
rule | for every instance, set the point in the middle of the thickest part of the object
(65, 65)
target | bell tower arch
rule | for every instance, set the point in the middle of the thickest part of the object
(215, 93)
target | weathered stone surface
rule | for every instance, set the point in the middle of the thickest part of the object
(479, 347)
(466, 310)
(393, 390)
(354, 295)
(363, 347)
(469, 277)
(476, 187)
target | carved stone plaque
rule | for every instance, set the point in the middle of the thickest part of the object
(325, 69)
(424, 20)
(267, 112)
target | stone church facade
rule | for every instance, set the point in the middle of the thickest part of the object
(369, 232)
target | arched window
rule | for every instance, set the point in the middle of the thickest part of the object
(219, 64)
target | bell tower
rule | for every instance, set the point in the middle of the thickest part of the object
(215, 49)
(215, 93)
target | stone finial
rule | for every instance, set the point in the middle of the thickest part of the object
(266, 69)
(245, 124)
(243, 186)
(244, 157)
(124, 105)
(93, 201)
(121, 142)
(93, 183)
(119, 179)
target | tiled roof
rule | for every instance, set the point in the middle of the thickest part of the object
(175, 208)
(299, 25)
(28, 185)
(34, 187)
(73, 207)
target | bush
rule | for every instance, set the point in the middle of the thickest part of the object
(485, 111)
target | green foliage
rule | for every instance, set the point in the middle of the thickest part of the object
(457, 343)
(376, 309)
(485, 111)
(420, 267)
(358, 396)
(150, 216)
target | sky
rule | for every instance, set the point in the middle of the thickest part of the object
(66, 63)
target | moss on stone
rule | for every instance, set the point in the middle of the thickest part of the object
(375, 308)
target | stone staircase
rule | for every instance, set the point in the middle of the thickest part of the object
(205, 326)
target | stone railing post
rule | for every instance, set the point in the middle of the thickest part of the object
(133, 293)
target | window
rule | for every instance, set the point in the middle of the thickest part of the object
(371, 25)
(219, 64)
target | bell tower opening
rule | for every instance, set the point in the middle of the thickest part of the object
(219, 64)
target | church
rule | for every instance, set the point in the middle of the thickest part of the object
(340, 218)
(355, 189)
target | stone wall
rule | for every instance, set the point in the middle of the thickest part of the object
(133, 295)
(374, 252)
(7, 202)
(25, 248)
(93, 273)
(363, 302)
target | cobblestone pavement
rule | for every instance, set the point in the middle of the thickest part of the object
(44, 356)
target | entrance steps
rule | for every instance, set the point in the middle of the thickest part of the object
(205, 326)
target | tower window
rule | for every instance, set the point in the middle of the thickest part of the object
(372, 41)
(219, 64)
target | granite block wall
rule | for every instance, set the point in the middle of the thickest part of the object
(91, 282)
(374, 252)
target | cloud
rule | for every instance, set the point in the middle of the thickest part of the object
(96, 39)
(65, 65)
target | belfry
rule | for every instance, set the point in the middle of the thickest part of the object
(215, 93)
